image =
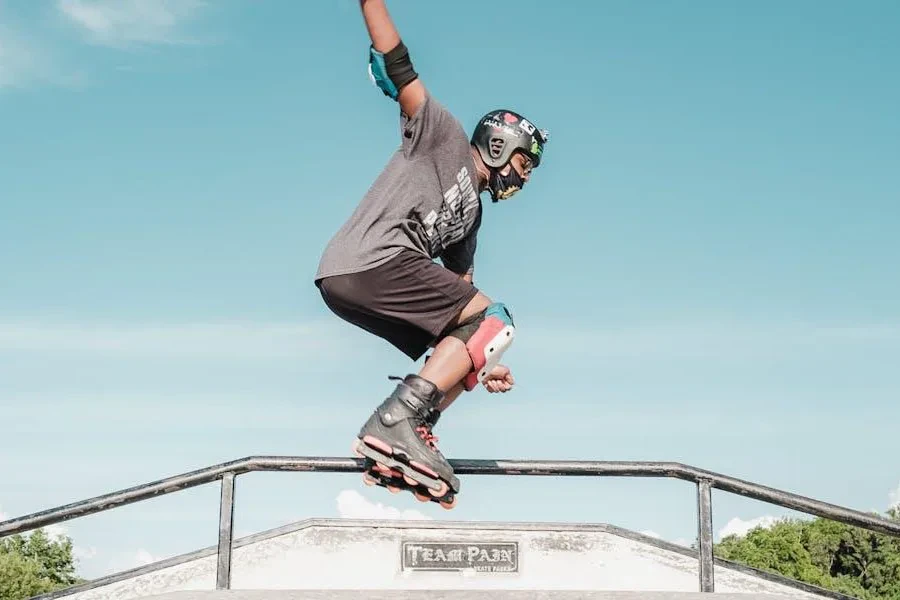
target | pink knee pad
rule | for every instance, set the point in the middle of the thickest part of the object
(494, 335)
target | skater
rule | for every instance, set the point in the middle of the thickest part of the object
(379, 273)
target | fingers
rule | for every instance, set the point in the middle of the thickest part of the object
(497, 385)
(500, 380)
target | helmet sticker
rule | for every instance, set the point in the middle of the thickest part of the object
(504, 132)
(500, 126)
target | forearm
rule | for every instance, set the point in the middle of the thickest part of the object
(403, 84)
(381, 29)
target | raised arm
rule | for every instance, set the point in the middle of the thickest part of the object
(389, 59)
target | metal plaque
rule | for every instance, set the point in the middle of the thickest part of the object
(501, 557)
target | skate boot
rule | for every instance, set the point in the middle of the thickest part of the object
(383, 476)
(399, 448)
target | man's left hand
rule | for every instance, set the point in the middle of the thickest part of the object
(500, 379)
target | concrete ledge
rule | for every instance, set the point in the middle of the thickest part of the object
(450, 595)
(342, 559)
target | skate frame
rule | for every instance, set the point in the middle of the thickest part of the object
(228, 472)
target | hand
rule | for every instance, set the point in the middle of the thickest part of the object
(500, 379)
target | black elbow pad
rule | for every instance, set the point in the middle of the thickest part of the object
(392, 70)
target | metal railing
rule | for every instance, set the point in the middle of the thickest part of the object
(705, 481)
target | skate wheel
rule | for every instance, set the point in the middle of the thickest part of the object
(410, 480)
(393, 489)
(369, 480)
(439, 492)
(421, 497)
(382, 468)
(448, 504)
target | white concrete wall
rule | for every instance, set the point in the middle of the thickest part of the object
(356, 556)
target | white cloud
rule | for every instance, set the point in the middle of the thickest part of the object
(84, 553)
(678, 541)
(13, 60)
(30, 56)
(352, 505)
(713, 339)
(740, 527)
(246, 340)
(81, 553)
(132, 560)
(143, 557)
(56, 531)
(20, 61)
(894, 498)
(123, 22)
(199, 340)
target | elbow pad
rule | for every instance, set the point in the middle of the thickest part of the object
(392, 70)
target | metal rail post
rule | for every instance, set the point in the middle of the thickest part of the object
(704, 526)
(226, 532)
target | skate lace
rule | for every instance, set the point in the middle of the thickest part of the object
(430, 439)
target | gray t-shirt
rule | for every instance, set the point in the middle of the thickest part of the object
(425, 199)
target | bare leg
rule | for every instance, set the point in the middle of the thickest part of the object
(450, 362)
(446, 368)
(451, 395)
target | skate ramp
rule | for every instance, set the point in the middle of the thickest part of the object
(341, 559)
(451, 595)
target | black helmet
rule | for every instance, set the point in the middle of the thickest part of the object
(501, 133)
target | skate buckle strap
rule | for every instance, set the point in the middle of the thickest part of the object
(420, 406)
(419, 395)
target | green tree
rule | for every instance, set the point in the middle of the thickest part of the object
(825, 553)
(778, 549)
(35, 564)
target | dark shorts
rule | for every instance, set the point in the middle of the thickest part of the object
(410, 301)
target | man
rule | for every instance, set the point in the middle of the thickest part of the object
(378, 271)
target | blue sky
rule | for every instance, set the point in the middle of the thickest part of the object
(704, 268)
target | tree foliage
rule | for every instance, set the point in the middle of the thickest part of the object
(825, 553)
(35, 564)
